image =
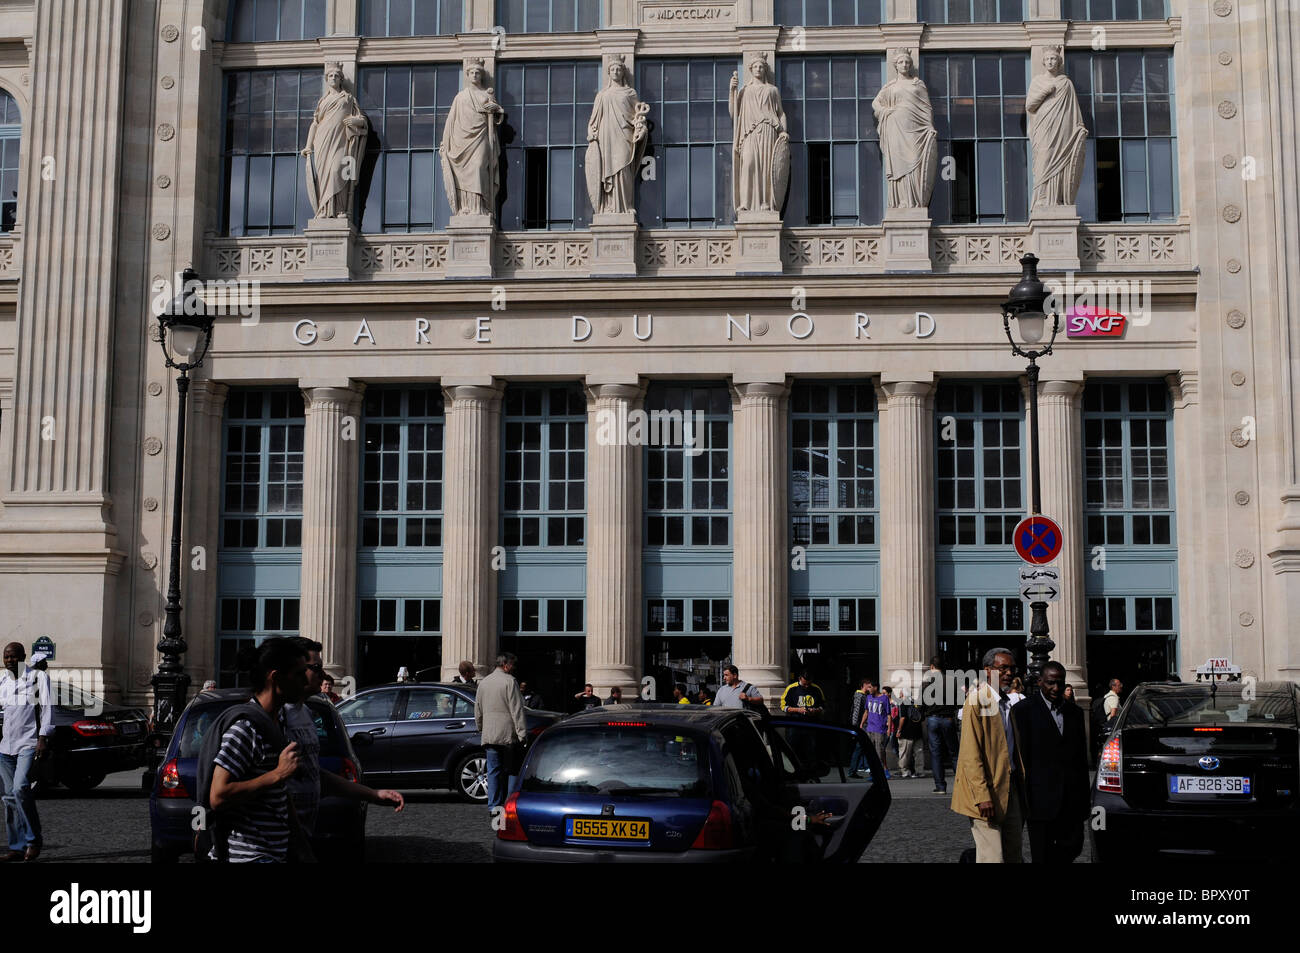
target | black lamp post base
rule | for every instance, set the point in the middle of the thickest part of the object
(1039, 645)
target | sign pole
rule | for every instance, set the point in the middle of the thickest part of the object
(1039, 644)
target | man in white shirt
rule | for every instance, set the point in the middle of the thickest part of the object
(25, 698)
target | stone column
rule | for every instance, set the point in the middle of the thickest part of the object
(760, 584)
(1060, 426)
(907, 587)
(614, 638)
(1198, 640)
(203, 466)
(471, 483)
(331, 452)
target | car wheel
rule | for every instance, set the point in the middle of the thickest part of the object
(470, 779)
(81, 782)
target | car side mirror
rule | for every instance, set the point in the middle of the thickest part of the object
(363, 739)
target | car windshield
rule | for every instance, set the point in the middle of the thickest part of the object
(1195, 706)
(198, 720)
(619, 760)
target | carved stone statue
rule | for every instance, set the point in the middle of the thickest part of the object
(335, 143)
(761, 154)
(469, 146)
(908, 139)
(616, 137)
(1057, 134)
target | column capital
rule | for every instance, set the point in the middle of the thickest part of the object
(1184, 388)
(629, 390)
(319, 393)
(1067, 389)
(901, 390)
(459, 390)
(208, 397)
(750, 390)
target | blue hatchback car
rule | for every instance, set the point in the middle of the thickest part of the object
(687, 784)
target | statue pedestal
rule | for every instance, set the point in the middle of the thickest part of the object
(1054, 237)
(907, 239)
(329, 249)
(758, 243)
(613, 245)
(470, 251)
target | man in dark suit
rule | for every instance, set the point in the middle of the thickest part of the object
(1052, 748)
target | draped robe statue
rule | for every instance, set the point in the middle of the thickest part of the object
(1057, 135)
(908, 139)
(616, 137)
(335, 144)
(760, 166)
(469, 147)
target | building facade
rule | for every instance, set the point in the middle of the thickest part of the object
(644, 443)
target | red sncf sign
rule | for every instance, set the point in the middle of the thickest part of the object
(1089, 322)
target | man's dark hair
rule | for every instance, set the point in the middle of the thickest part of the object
(308, 645)
(1111, 683)
(327, 679)
(732, 669)
(802, 673)
(865, 681)
(936, 661)
(1055, 666)
(681, 687)
(273, 655)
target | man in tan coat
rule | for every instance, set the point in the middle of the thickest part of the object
(499, 715)
(987, 789)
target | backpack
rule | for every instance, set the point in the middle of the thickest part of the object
(746, 689)
(1100, 724)
(216, 829)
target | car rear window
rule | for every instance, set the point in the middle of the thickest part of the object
(1197, 707)
(199, 719)
(619, 760)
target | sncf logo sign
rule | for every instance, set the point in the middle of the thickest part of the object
(1090, 322)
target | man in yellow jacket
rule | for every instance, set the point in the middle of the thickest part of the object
(987, 788)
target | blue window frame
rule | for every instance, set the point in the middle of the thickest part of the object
(1115, 9)
(11, 140)
(688, 487)
(545, 466)
(829, 12)
(688, 616)
(1128, 483)
(400, 615)
(978, 463)
(962, 614)
(979, 112)
(833, 464)
(835, 615)
(408, 107)
(268, 114)
(265, 21)
(401, 474)
(548, 106)
(542, 616)
(410, 17)
(970, 11)
(1131, 168)
(834, 145)
(548, 16)
(690, 142)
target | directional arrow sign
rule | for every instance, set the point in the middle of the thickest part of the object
(1040, 592)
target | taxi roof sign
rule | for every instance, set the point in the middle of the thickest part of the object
(1218, 666)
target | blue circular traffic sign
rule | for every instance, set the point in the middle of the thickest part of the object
(1038, 540)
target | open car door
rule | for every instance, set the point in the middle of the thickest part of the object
(813, 760)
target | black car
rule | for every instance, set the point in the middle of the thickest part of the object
(340, 822)
(1200, 769)
(419, 735)
(92, 738)
(692, 784)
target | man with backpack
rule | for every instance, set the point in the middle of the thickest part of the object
(733, 693)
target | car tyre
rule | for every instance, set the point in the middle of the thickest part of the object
(469, 780)
(81, 782)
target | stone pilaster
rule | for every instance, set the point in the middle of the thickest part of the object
(471, 482)
(331, 445)
(760, 581)
(614, 643)
(907, 582)
(203, 468)
(1197, 640)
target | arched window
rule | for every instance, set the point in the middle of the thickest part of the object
(11, 139)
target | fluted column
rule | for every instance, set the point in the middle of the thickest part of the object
(1061, 431)
(614, 638)
(760, 584)
(471, 483)
(203, 466)
(331, 445)
(907, 620)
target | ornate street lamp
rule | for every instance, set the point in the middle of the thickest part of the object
(1025, 305)
(185, 333)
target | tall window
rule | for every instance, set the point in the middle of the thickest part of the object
(978, 464)
(548, 16)
(833, 472)
(1131, 170)
(970, 11)
(545, 466)
(1127, 486)
(979, 112)
(829, 12)
(690, 142)
(547, 109)
(688, 481)
(401, 488)
(407, 106)
(264, 21)
(410, 17)
(834, 146)
(11, 133)
(1115, 9)
(268, 113)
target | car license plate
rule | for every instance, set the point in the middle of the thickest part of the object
(1194, 784)
(607, 828)
(130, 727)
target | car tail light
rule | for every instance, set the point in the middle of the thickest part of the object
(628, 724)
(512, 830)
(1110, 768)
(169, 781)
(534, 732)
(349, 770)
(1207, 729)
(717, 832)
(93, 729)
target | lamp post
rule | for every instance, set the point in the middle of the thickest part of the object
(1025, 305)
(185, 332)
